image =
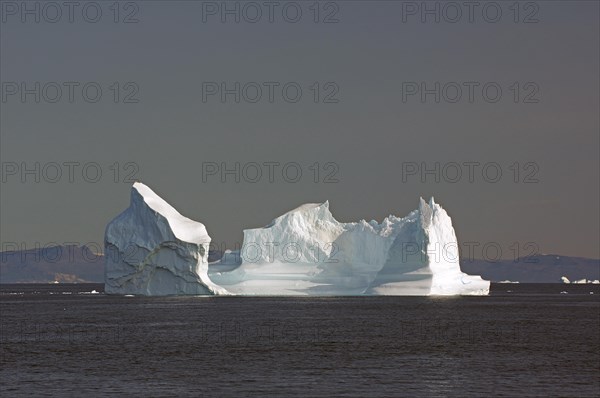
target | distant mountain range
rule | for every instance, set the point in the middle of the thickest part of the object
(67, 264)
(79, 264)
(544, 268)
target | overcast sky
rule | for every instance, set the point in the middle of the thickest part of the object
(352, 104)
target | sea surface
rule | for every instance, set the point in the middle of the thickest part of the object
(539, 340)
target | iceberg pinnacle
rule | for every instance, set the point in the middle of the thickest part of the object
(305, 251)
(151, 249)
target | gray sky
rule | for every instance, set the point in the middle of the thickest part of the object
(369, 128)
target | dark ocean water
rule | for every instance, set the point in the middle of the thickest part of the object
(522, 340)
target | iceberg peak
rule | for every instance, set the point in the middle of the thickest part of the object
(183, 228)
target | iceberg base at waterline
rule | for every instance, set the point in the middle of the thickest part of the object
(153, 250)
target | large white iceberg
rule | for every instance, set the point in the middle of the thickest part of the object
(303, 252)
(151, 249)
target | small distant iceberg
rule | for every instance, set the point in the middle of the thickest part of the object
(580, 281)
(92, 292)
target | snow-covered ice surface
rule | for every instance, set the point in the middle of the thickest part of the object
(303, 252)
